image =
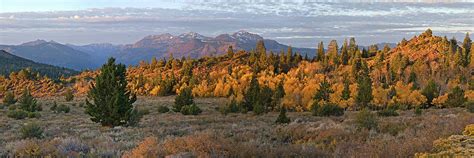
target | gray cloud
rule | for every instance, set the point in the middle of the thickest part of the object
(300, 23)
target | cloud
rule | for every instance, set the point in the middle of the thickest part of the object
(299, 23)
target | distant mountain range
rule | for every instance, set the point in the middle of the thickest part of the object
(11, 63)
(51, 53)
(189, 44)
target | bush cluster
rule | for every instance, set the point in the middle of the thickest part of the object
(192, 109)
(61, 108)
(163, 109)
(389, 111)
(366, 119)
(327, 109)
(31, 130)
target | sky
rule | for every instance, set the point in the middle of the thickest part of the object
(300, 23)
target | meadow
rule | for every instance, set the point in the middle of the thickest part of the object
(213, 134)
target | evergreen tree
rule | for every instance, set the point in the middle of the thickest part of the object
(251, 96)
(364, 88)
(323, 92)
(265, 98)
(9, 98)
(333, 52)
(278, 95)
(69, 95)
(344, 53)
(467, 44)
(289, 56)
(184, 98)
(430, 91)
(282, 118)
(352, 47)
(320, 54)
(413, 79)
(111, 100)
(456, 97)
(230, 52)
(28, 102)
(346, 93)
(260, 48)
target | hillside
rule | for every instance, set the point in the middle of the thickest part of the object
(405, 69)
(52, 53)
(11, 63)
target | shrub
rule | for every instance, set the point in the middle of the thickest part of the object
(12, 107)
(389, 111)
(190, 110)
(34, 115)
(258, 108)
(9, 99)
(231, 107)
(69, 95)
(72, 146)
(54, 107)
(183, 99)
(327, 109)
(28, 102)
(366, 119)
(147, 148)
(61, 108)
(17, 114)
(163, 109)
(31, 130)
(456, 97)
(144, 112)
(418, 111)
(469, 106)
(282, 118)
(134, 118)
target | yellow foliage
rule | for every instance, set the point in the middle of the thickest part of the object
(406, 96)
(380, 96)
(469, 130)
(439, 101)
(147, 148)
(155, 91)
(469, 95)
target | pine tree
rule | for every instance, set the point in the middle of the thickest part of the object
(251, 96)
(364, 88)
(184, 98)
(278, 95)
(9, 98)
(333, 52)
(346, 93)
(282, 118)
(430, 91)
(413, 79)
(230, 52)
(111, 100)
(28, 102)
(265, 98)
(69, 95)
(323, 92)
(320, 54)
(456, 97)
(344, 53)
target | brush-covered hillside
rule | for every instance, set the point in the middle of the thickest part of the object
(402, 76)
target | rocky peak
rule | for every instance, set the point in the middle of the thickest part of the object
(244, 36)
(34, 43)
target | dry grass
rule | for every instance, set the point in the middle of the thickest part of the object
(212, 134)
